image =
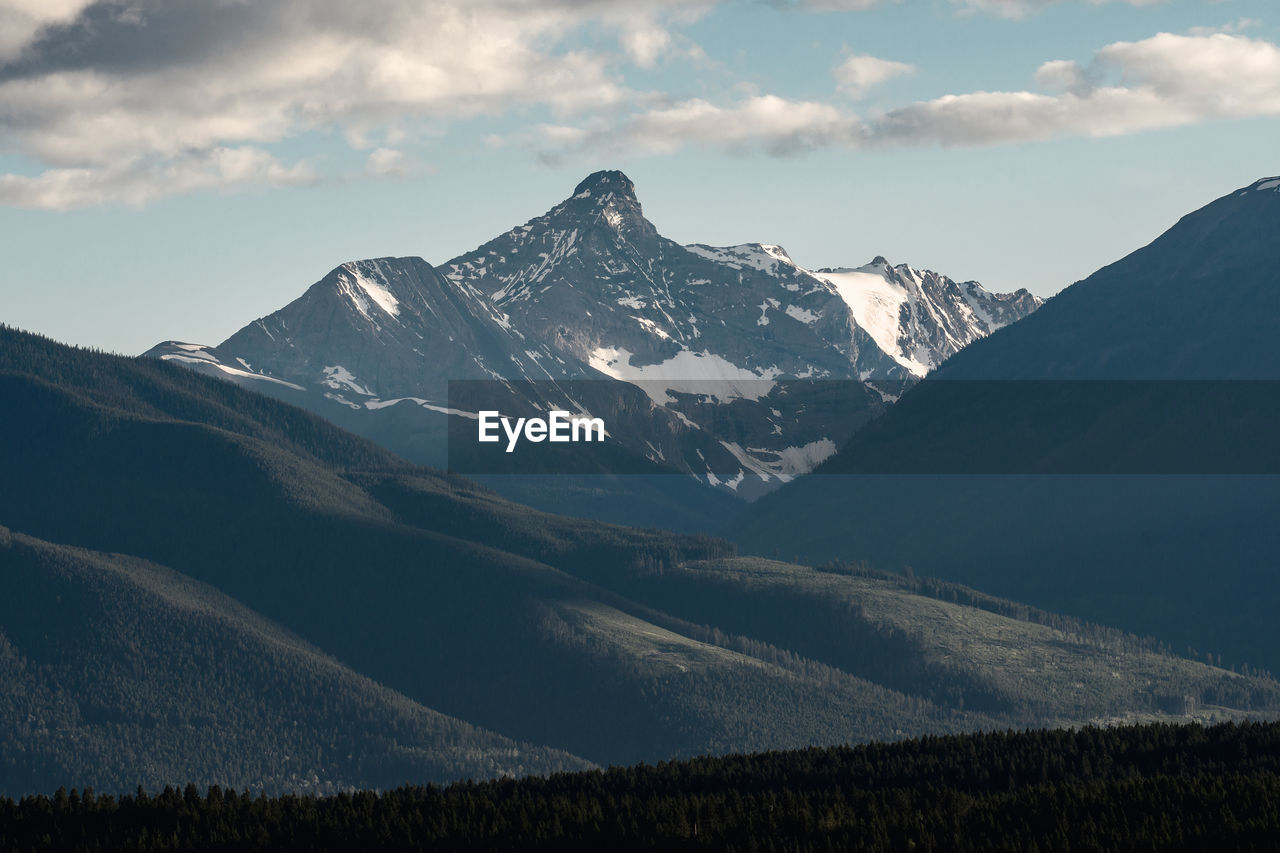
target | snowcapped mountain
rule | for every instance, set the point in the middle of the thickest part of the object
(646, 307)
(593, 278)
(921, 318)
(387, 328)
(734, 364)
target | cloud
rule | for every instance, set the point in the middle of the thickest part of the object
(775, 125)
(100, 93)
(1021, 8)
(1239, 25)
(827, 5)
(126, 101)
(859, 74)
(21, 20)
(139, 182)
(1002, 8)
(1128, 87)
(384, 162)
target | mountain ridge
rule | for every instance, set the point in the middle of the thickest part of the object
(731, 347)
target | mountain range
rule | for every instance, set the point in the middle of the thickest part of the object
(734, 365)
(209, 584)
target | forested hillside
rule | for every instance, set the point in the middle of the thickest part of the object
(590, 641)
(118, 672)
(1139, 788)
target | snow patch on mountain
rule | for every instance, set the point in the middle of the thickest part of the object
(374, 405)
(876, 299)
(794, 461)
(764, 310)
(781, 465)
(339, 378)
(365, 282)
(970, 291)
(920, 318)
(199, 357)
(686, 372)
(802, 314)
(760, 256)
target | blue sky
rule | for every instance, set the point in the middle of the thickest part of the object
(177, 168)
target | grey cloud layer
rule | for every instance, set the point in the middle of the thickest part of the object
(156, 91)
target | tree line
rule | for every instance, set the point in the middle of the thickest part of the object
(1155, 787)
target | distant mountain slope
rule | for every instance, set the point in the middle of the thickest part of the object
(387, 328)
(485, 634)
(119, 673)
(1199, 302)
(733, 365)
(1118, 446)
(604, 642)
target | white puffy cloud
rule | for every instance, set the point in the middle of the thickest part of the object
(829, 5)
(141, 181)
(1020, 8)
(860, 73)
(1064, 75)
(1128, 87)
(386, 163)
(1003, 8)
(1239, 25)
(765, 122)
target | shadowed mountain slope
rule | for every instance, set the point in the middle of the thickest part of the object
(1111, 456)
(604, 642)
(119, 672)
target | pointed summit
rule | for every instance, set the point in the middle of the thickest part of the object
(608, 199)
(603, 182)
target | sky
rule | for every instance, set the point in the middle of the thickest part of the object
(174, 169)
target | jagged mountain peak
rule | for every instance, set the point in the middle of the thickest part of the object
(603, 207)
(608, 199)
(603, 182)
(921, 317)
(370, 284)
